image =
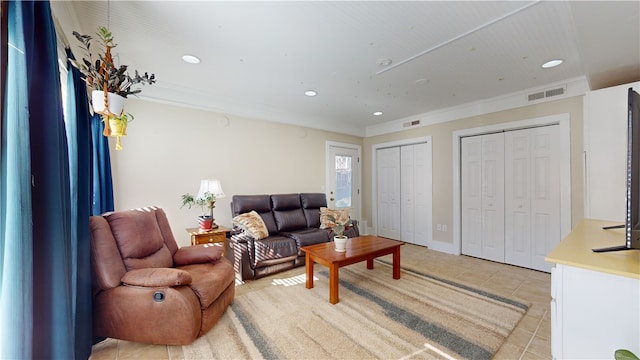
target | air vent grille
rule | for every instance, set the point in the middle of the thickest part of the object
(554, 92)
(546, 94)
(536, 96)
(411, 123)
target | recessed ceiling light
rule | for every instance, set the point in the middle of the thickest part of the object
(552, 63)
(191, 59)
(311, 93)
(377, 113)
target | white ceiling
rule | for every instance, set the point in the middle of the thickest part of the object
(258, 58)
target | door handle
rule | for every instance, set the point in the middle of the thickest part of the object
(331, 199)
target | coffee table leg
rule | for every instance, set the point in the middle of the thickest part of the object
(396, 263)
(308, 263)
(333, 284)
(369, 263)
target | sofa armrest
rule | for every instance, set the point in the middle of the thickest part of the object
(241, 236)
(356, 229)
(156, 277)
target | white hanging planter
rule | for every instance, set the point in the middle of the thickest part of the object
(116, 103)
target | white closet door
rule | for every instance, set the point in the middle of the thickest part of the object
(518, 198)
(545, 200)
(471, 195)
(532, 196)
(388, 174)
(416, 194)
(493, 197)
(407, 188)
(422, 196)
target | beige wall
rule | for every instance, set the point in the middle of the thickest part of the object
(442, 137)
(169, 149)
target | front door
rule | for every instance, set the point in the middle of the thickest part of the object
(343, 190)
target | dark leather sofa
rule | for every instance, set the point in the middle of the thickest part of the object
(292, 220)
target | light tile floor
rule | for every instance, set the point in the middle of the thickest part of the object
(531, 339)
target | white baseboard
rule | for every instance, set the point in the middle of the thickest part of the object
(443, 247)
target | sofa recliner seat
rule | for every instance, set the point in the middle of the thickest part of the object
(146, 289)
(292, 221)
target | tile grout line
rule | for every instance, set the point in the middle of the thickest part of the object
(534, 334)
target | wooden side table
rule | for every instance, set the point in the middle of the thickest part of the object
(218, 235)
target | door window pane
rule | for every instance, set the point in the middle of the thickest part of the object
(344, 178)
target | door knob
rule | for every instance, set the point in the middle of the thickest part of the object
(331, 199)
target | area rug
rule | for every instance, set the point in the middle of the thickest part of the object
(418, 316)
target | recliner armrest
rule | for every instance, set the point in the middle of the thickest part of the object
(197, 254)
(156, 277)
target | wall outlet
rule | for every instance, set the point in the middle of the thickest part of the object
(444, 227)
(439, 227)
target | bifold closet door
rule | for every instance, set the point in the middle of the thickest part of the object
(388, 177)
(482, 196)
(532, 196)
(415, 194)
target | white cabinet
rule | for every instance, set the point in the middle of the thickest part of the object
(511, 196)
(595, 306)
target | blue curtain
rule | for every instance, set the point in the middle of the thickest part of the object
(78, 124)
(44, 245)
(102, 189)
(16, 240)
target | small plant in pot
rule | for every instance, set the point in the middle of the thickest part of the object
(108, 84)
(338, 230)
(205, 221)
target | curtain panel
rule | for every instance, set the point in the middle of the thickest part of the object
(45, 307)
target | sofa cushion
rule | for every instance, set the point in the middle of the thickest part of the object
(197, 254)
(154, 277)
(287, 211)
(311, 204)
(341, 216)
(271, 250)
(308, 236)
(252, 223)
(261, 204)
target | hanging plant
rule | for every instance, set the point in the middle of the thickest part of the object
(107, 84)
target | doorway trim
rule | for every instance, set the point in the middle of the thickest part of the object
(374, 176)
(329, 165)
(562, 120)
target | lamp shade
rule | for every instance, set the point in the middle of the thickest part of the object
(212, 187)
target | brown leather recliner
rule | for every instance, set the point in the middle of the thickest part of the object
(146, 289)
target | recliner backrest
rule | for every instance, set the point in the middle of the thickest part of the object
(287, 211)
(127, 240)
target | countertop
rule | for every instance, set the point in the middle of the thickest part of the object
(575, 250)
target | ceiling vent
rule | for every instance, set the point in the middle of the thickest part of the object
(411, 123)
(546, 94)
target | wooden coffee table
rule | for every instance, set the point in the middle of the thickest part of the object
(358, 249)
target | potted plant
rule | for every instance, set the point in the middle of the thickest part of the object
(205, 221)
(624, 354)
(109, 84)
(340, 226)
(118, 126)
